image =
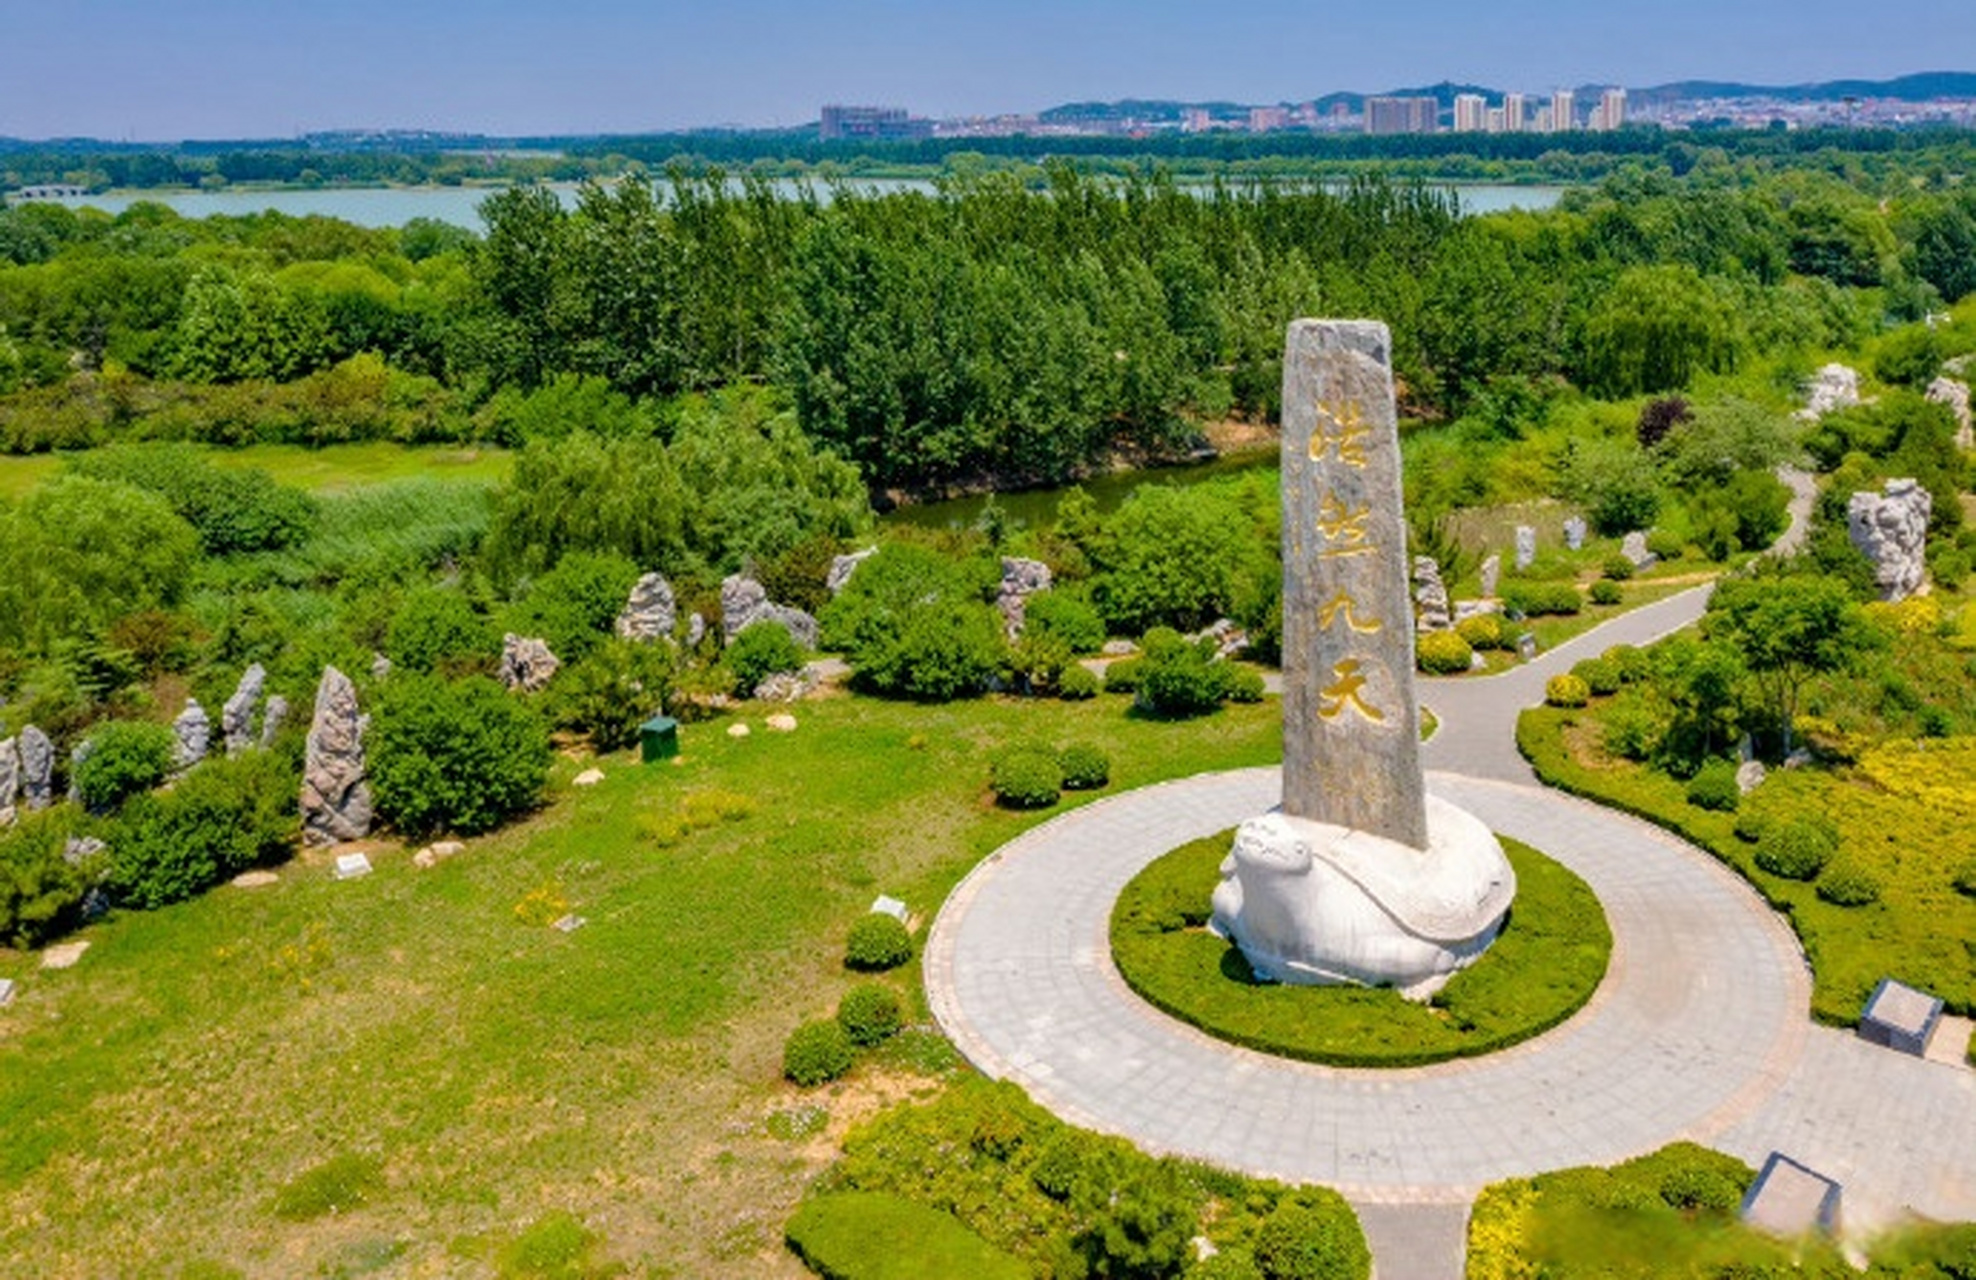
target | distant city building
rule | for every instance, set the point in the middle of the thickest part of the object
(1542, 121)
(1195, 120)
(1268, 119)
(1562, 120)
(1513, 119)
(1610, 113)
(1402, 115)
(1492, 120)
(840, 122)
(1471, 112)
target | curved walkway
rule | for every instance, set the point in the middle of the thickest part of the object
(1700, 1017)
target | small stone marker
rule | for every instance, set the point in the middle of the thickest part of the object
(351, 865)
(1790, 1200)
(1526, 546)
(569, 924)
(434, 854)
(255, 879)
(889, 906)
(1526, 646)
(782, 722)
(1899, 1017)
(1634, 547)
(64, 955)
(6, 992)
(1491, 573)
(588, 778)
(737, 730)
(1351, 723)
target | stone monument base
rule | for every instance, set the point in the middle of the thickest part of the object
(1311, 903)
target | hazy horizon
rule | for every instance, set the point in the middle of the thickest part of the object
(118, 69)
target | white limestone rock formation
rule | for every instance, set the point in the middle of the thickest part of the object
(1491, 573)
(237, 716)
(526, 663)
(1891, 529)
(744, 602)
(336, 803)
(1526, 546)
(650, 612)
(10, 779)
(1956, 396)
(844, 566)
(1833, 387)
(37, 769)
(1020, 579)
(1430, 594)
(194, 729)
(1314, 904)
(272, 719)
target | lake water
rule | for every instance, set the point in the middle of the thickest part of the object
(395, 206)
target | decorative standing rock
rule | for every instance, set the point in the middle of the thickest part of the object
(696, 629)
(1574, 532)
(1634, 547)
(1491, 573)
(1956, 396)
(1526, 546)
(1020, 580)
(1431, 594)
(1891, 530)
(37, 769)
(1834, 387)
(650, 612)
(744, 602)
(843, 567)
(336, 802)
(10, 779)
(237, 716)
(83, 750)
(195, 735)
(526, 663)
(271, 721)
(1749, 776)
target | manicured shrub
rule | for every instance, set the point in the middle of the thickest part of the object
(1796, 848)
(1077, 683)
(1700, 1187)
(1442, 653)
(613, 689)
(1633, 729)
(865, 1235)
(1085, 767)
(1600, 676)
(869, 1013)
(220, 819)
(1312, 1242)
(877, 942)
(1067, 615)
(1482, 631)
(125, 757)
(41, 891)
(1123, 675)
(1753, 824)
(1181, 677)
(912, 625)
(1617, 567)
(438, 629)
(1566, 691)
(760, 652)
(1714, 787)
(816, 1053)
(1848, 884)
(1606, 592)
(1634, 664)
(1666, 544)
(1533, 599)
(1026, 778)
(458, 756)
(1245, 686)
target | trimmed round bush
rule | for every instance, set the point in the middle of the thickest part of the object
(760, 652)
(1699, 1187)
(1753, 824)
(1714, 787)
(1026, 778)
(1307, 1242)
(125, 757)
(1633, 663)
(1244, 685)
(1123, 676)
(1182, 678)
(1847, 884)
(1600, 676)
(1077, 683)
(1795, 849)
(1965, 878)
(1085, 767)
(1442, 653)
(1566, 691)
(453, 756)
(869, 1013)
(816, 1053)
(1482, 631)
(1533, 599)
(1066, 615)
(1606, 591)
(1666, 544)
(1617, 567)
(877, 942)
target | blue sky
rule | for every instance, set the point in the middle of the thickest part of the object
(169, 69)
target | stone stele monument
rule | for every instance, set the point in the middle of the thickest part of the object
(1360, 876)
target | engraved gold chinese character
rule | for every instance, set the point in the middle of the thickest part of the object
(1341, 429)
(1343, 607)
(1338, 522)
(1346, 693)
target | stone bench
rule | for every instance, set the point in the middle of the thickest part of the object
(1899, 1017)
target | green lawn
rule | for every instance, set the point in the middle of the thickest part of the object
(328, 469)
(484, 1073)
(1543, 968)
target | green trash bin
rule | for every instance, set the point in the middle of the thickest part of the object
(659, 737)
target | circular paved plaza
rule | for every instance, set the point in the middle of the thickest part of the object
(1700, 1017)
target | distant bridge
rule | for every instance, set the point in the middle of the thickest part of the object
(47, 191)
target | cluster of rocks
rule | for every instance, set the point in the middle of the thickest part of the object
(526, 663)
(785, 686)
(744, 602)
(1020, 579)
(1833, 387)
(1431, 595)
(1956, 396)
(237, 716)
(1890, 529)
(336, 803)
(1228, 636)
